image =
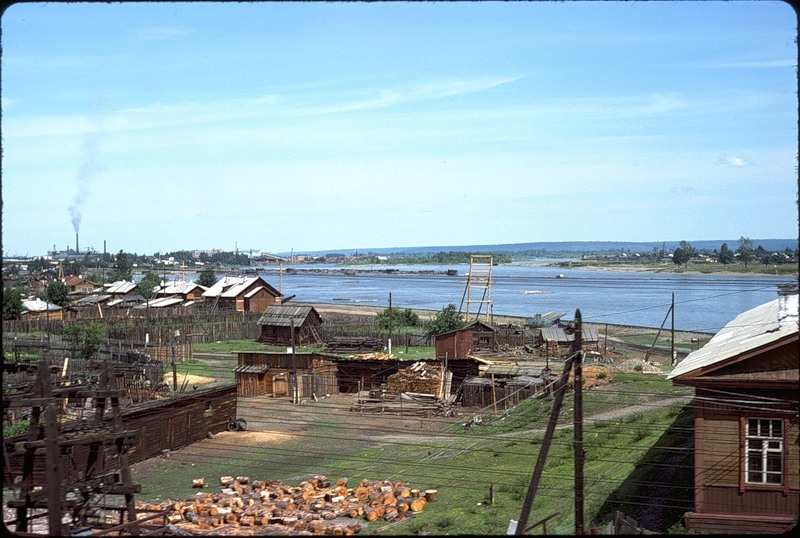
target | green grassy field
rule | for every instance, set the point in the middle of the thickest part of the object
(482, 472)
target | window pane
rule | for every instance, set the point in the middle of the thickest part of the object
(774, 463)
(763, 426)
(754, 462)
(773, 479)
(777, 428)
(752, 427)
(754, 477)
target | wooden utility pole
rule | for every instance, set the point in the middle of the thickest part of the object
(578, 418)
(295, 392)
(574, 360)
(390, 323)
(559, 391)
(672, 341)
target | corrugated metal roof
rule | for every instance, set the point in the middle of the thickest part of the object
(162, 302)
(180, 288)
(233, 286)
(120, 286)
(747, 331)
(282, 315)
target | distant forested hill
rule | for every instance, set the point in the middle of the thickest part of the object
(562, 248)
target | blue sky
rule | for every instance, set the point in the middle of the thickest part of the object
(313, 126)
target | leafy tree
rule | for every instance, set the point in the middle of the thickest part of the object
(123, 268)
(207, 278)
(12, 302)
(447, 319)
(725, 255)
(683, 253)
(745, 250)
(148, 285)
(86, 337)
(57, 293)
(400, 318)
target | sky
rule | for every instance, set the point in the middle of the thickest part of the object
(310, 126)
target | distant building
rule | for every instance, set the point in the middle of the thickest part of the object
(241, 293)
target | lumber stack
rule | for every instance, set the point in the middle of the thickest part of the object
(316, 505)
(419, 377)
(406, 403)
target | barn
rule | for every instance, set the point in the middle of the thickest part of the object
(259, 373)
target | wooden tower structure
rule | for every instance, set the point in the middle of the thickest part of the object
(478, 291)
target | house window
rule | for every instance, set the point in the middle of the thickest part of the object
(764, 451)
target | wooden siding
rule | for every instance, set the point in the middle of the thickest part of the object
(317, 375)
(461, 344)
(167, 424)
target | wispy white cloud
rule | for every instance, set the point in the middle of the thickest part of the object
(159, 33)
(736, 161)
(426, 91)
(758, 64)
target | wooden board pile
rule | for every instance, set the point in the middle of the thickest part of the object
(314, 506)
(406, 403)
(420, 377)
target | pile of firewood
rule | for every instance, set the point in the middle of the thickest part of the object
(310, 506)
(419, 377)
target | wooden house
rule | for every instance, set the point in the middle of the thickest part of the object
(38, 309)
(747, 395)
(281, 323)
(78, 284)
(474, 337)
(242, 293)
(186, 291)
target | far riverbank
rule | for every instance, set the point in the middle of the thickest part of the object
(788, 269)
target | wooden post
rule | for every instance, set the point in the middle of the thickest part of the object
(578, 418)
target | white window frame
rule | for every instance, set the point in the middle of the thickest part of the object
(764, 442)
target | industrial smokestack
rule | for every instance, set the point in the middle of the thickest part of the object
(77, 247)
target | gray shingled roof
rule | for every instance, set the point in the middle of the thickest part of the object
(281, 315)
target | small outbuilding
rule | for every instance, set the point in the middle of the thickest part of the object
(475, 336)
(279, 322)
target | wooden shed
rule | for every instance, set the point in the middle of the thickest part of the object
(474, 337)
(164, 424)
(558, 342)
(278, 320)
(259, 373)
(747, 395)
(500, 387)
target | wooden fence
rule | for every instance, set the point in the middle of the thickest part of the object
(165, 424)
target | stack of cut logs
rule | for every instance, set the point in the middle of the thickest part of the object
(308, 507)
(419, 377)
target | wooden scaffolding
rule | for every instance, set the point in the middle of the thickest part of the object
(74, 505)
(479, 284)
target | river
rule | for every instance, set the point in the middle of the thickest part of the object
(703, 302)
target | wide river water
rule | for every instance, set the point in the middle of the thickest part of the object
(703, 302)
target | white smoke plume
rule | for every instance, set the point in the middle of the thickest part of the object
(89, 168)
